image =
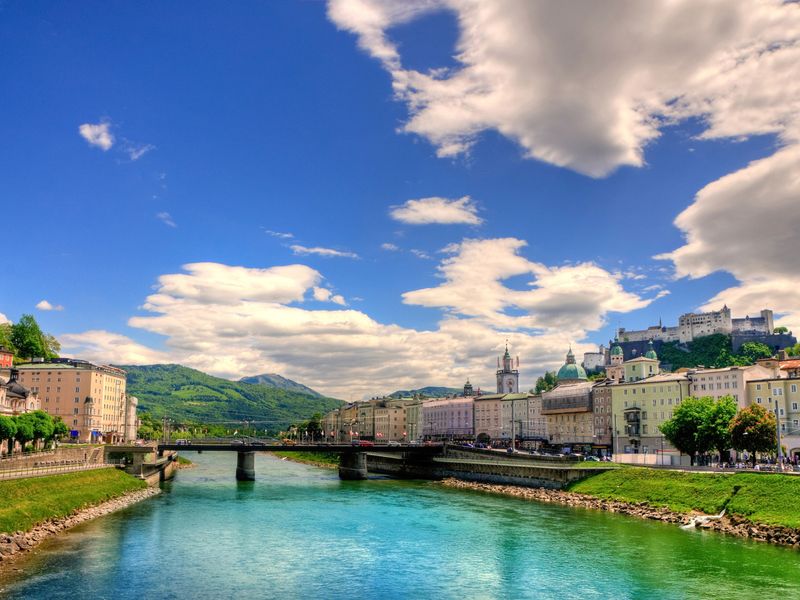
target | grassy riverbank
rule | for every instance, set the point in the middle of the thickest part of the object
(318, 459)
(768, 499)
(26, 502)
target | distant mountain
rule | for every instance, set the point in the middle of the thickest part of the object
(186, 394)
(431, 391)
(274, 380)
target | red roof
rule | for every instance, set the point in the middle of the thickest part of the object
(790, 364)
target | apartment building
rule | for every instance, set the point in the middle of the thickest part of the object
(91, 399)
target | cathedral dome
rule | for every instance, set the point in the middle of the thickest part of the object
(570, 370)
(651, 353)
(616, 350)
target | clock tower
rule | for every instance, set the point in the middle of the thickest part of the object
(507, 375)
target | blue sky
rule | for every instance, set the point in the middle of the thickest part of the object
(206, 129)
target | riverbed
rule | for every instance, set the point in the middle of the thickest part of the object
(299, 532)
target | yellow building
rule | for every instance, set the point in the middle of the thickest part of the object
(90, 398)
(390, 420)
(783, 395)
(638, 409)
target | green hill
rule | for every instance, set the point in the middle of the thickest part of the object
(277, 381)
(430, 391)
(186, 394)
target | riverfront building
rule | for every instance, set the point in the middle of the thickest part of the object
(780, 395)
(91, 399)
(568, 409)
(448, 418)
(603, 417)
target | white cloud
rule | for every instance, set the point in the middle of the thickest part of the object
(137, 151)
(420, 254)
(571, 299)
(746, 223)
(98, 134)
(4, 319)
(109, 348)
(166, 218)
(45, 305)
(587, 85)
(279, 234)
(390, 247)
(321, 294)
(425, 211)
(231, 321)
(326, 252)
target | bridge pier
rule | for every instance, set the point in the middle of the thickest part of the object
(353, 466)
(245, 466)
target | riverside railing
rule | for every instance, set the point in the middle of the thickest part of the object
(42, 471)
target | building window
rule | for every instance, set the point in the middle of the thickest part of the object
(794, 388)
(74, 411)
(758, 399)
(794, 405)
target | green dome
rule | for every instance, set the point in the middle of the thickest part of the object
(651, 353)
(616, 350)
(570, 370)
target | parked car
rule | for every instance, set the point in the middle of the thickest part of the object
(393, 443)
(592, 459)
(362, 443)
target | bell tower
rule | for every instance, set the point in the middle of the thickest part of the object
(507, 375)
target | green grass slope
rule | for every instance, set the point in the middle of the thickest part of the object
(770, 499)
(24, 503)
(186, 394)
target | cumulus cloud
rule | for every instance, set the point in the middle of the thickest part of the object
(746, 223)
(166, 218)
(233, 320)
(98, 134)
(326, 252)
(390, 247)
(45, 305)
(425, 211)
(587, 85)
(109, 348)
(4, 319)
(571, 299)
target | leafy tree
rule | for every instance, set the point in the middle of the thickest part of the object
(60, 428)
(781, 330)
(753, 430)
(42, 425)
(8, 429)
(29, 340)
(24, 433)
(793, 350)
(546, 382)
(685, 429)
(752, 351)
(5, 337)
(717, 429)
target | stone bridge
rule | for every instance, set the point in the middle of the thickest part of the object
(352, 464)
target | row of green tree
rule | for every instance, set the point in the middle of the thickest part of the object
(26, 339)
(701, 425)
(36, 426)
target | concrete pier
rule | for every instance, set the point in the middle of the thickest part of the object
(245, 466)
(353, 466)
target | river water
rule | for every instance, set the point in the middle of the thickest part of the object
(299, 532)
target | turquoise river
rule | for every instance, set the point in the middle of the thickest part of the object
(299, 532)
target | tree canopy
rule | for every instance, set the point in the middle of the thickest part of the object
(27, 340)
(753, 430)
(546, 382)
(717, 428)
(686, 427)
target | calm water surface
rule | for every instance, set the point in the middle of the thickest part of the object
(299, 532)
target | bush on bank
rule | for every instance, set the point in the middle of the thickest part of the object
(769, 499)
(24, 503)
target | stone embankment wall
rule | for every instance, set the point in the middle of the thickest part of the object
(13, 544)
(83, 454)
(731, 525)
(523, 473)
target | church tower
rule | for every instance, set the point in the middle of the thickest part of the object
(507, 375)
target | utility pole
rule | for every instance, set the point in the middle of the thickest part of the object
(778, 436)
(512, 426)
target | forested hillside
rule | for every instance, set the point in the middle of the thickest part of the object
(185, 394)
